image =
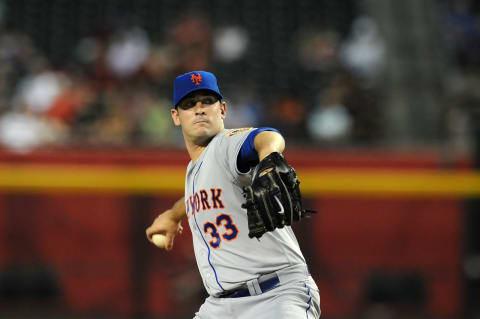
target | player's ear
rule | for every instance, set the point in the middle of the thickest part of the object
(175, 117)
(223, 109)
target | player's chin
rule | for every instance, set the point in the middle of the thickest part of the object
(203, 128)
(201, 131)
(198, 130)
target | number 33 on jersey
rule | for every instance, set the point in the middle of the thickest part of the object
(219, 229)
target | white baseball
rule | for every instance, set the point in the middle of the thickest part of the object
(159, 240)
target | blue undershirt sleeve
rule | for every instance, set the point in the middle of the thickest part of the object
(248, 156)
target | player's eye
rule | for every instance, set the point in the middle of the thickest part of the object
(188, 104)
(209, 100)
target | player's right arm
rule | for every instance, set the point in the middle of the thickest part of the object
(168, 223)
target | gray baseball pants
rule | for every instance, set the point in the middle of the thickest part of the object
(296, 299)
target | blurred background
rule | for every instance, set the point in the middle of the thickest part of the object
(378, 101)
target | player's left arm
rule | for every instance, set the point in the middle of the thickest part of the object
(267, 142)
(273, 199)
(259, 143)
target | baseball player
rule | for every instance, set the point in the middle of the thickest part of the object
(240, 200)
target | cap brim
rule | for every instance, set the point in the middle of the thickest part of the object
(195, 90)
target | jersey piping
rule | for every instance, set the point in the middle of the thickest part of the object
(200, 232)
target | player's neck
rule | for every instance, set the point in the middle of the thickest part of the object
(197, 144)
(195, 150)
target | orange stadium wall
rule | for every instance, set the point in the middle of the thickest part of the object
(88, 235)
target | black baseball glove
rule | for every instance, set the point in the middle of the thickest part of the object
(273, 200)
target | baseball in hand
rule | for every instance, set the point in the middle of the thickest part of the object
(159, 240)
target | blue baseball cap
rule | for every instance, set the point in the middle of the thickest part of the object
(193, 81)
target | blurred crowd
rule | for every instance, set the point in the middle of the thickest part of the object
(461, 35)
(114, 89)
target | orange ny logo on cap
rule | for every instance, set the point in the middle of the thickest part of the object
(196, 78)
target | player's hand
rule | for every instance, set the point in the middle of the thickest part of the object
(166, 225)
(273, 200)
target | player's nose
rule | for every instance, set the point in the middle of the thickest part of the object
(199, 107)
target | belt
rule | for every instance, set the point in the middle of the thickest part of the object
(254, 287)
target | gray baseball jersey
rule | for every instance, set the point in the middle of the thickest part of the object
(225, 255)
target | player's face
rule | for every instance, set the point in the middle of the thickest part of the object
(201, 116)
